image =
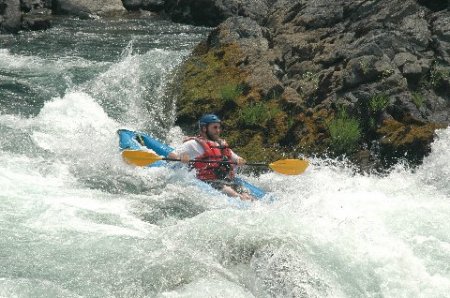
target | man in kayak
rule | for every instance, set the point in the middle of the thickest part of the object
(208, 146)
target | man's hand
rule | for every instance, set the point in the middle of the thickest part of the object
(241, 161)
(184, 158)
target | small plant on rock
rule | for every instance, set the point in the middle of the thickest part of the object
(230, 92)
(257, 114)
(437, 75)
(378, 103)
(345, 133)
(418, 99)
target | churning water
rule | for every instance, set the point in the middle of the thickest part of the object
(75, 221)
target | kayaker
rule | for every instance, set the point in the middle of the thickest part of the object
(209, 146)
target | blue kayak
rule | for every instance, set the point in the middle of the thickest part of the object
(134, 140)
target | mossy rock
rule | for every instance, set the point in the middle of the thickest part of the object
(256, 150)
(211, 82)
(409, 141)
(314, 137)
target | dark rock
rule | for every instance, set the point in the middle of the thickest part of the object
(26, 5)
(415, 29)
(412, 69)
(441, 34)
(36, 22)
(250, 36)
(435, 5)
(86, 8)
(151, 5)
(401, 58)
(291, 97)
(441, 26)
(29, 5)
(213, 12)
(10, 15)
(323, 13)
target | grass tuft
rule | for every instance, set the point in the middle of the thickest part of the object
(345, 133)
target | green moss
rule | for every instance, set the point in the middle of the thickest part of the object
(311, 127)
(210, 82)
(398, 134)
(277, 126)
(257, 150)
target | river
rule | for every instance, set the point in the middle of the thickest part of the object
(75, 221)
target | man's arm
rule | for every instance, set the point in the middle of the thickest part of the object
(183, 157)
(188, 150)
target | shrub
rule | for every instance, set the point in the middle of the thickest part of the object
(257, 114)
(345, 133)
(437, 75)
(230, 92)
(418, 99)
(378, 103)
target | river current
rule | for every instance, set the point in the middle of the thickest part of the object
(75, 221)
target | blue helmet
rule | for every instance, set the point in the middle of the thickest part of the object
(207, 119)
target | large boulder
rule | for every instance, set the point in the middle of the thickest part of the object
(10, 15)
(36, 14)
(33, 5)
(85, 8)
(213, 12)
(151, 5)
(311, 75)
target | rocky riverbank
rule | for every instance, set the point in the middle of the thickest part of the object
(366, 79)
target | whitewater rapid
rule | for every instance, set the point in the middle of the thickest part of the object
(76, 221)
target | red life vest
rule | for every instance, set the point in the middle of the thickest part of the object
(213, 170)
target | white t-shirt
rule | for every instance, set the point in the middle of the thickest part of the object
(193, 149)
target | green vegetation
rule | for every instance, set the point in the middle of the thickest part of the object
(378, 103)
(230, 92)
(418, 99)
(210, 81)
(364, 65)
(372, 123)
(437, 75)
(345, 133)
(290, 122)
(274, 95)
(311, 77)
(257, 114)
(387, 73)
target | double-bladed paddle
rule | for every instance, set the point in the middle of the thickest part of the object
(283, 166)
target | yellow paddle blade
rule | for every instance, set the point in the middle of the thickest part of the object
(289, 166)
(140, 158)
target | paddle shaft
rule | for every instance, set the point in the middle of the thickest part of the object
(260, 164)
(284, 166)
